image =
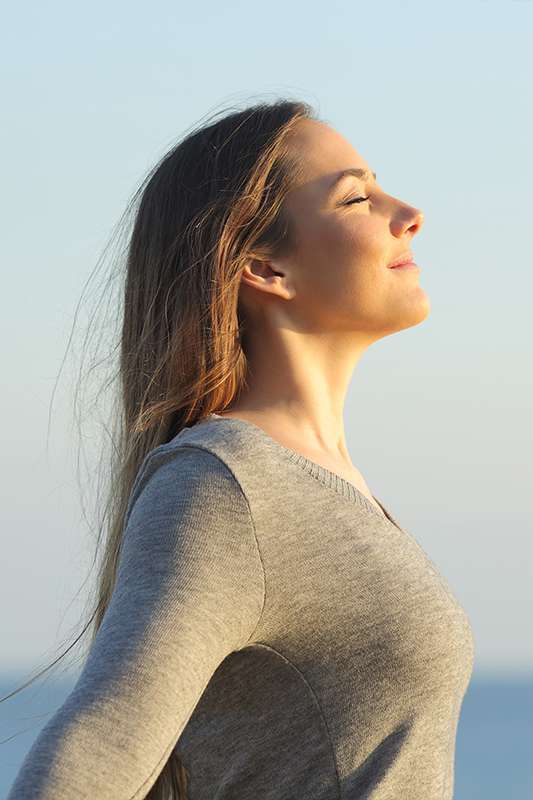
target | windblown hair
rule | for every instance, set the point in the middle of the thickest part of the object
(213, 202)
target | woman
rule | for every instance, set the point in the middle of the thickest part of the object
(264, 627)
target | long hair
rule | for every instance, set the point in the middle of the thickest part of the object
(214, 201)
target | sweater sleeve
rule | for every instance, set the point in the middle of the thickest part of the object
(189, 591)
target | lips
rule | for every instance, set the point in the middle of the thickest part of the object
(407, 258)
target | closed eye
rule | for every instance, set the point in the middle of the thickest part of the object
(356, 200)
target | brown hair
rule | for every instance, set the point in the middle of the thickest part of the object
(214, 201)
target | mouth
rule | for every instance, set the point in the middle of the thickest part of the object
(406, 265)
(403, 262)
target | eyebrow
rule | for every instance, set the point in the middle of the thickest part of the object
(356, 171)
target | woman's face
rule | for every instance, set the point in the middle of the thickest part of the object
(338, 274)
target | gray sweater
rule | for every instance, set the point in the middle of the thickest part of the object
(269, 624)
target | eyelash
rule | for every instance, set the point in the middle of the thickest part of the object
(356, 200)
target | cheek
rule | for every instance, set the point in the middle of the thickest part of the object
(350, 287)
(343, 252)
(340, 258)
(346, 240)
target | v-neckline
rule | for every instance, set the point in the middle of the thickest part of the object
(326, 476)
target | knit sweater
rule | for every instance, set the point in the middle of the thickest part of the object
(273, 628)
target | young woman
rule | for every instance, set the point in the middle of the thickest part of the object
(265, 629)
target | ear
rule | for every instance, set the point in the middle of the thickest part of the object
(266, 276)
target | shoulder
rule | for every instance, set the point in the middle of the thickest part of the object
(188, 516)
(187, 474)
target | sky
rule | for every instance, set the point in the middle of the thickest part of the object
(438, 100)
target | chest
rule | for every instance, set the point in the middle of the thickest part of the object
(361, 596)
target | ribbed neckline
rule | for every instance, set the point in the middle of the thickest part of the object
(322, 474)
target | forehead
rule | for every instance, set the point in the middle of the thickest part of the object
(322, 153)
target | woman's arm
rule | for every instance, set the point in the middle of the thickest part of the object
(189, 591)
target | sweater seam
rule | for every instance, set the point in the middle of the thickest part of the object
(317, 703)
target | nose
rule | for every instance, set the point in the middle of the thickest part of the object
(409, 219)
(417, 222)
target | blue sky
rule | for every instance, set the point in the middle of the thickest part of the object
(437, 99)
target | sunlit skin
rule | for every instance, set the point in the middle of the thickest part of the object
(314, 314)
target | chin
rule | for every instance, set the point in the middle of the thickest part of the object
(409, 317)
(418, 312)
